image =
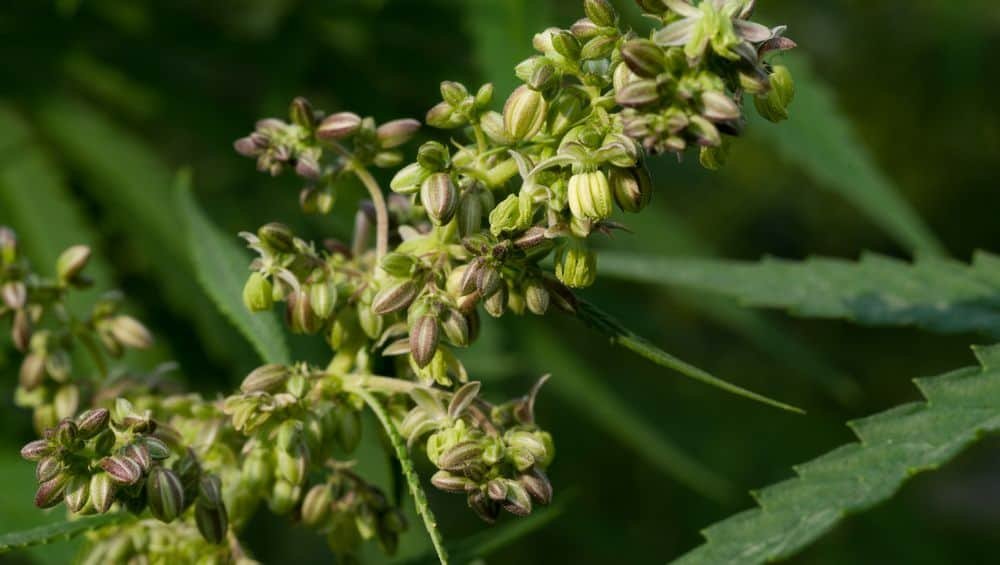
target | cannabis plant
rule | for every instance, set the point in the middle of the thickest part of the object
(497, 215)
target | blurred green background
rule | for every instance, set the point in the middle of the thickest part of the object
(895, 137)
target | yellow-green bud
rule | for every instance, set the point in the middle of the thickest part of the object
(601, 12)
(71, 262)
(258, 293)
(409, 178)
(773, 105)
(524, 113)
(576, 264)
(589, 196)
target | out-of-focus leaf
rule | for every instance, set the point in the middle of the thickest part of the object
(502, 32)
(577, 384)
(961, 407)
(937, 294)
(221, 268)
(620, 335)
(18, 511)
(59, 531)
(819, 138)
(111, 85)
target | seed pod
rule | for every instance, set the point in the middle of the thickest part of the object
(470, 276)
(47, 468)
(266, 378)
(589, 196)
(14, 294)
(92, 422)
(50, 492)
(409, 179)
(456, 327)
(338, 126)
(452, 483)
(543, 77)
(164, 494)
(632, 188)
(584, 29)
(258, 293)
(284, 496)
(104, 442)
(643, 57)
(316, 505)
(424, 340)
(536, 297)
(524, 113)
(210, 491)
(718, 107)
(496, 304)
(130, 332)
(66, 433)
(213, 522)
(537, 485)
(433, 156)
(122, 470)
(102, 492)
(566, 44)
(395, 297)
(37, 449)
(396, 132)
(518, 501)
(601, 12)
(576, 264)
(277, 236)
(773, 105)
(439, 197)
(71, 262)
(77, 492)
(21, 330)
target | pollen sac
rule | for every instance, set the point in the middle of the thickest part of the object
(524, 113)
(439, 197)
(589, 196)
(576, 264)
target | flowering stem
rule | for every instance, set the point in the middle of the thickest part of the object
(381, 210)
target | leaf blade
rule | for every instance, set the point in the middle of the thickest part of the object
(60, 531)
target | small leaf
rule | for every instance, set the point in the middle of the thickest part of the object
(604, 323)
(221, 269)
(57, 532)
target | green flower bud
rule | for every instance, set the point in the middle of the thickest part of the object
(643, 57)
(396, 132)
(51, 492)
(139, 453)
(566, 44)
(338, 126)
(292, 465)
(66, 401)
(505, 216)
(102, 492)
(493, 126)
(71, 262)
(349, 430)
(496, 304)
(484, 96)
(77, 493)
(398, 265)
(601, 12)
(323, 298)
(444, 116)
(773, 105)
(284, 496)
(386, 160)
(704, 132)
(589, 196)
(300, 314)
(433, 156)
(66, 433)
(454, 93)
(543, 77)
(213, 522)
(59, 365)
(277, 236)
(439, 197)
(8, 245)
(718, 107)
(409, 178)
(576, 264)
(584, 29)
(266, 378)
(424, 340)
(456, 327)
(164, 494)
(460, 456)
(598, 47)
(632, 188)
(714, 158)
(257, 293)
(370, 322)
(536, 297)
(316, 505)
(524, 113)
(569, 107)
(301, 113)
(517, 501)
(158, 449)
(470, 213)
(395, 297)
(637, 94)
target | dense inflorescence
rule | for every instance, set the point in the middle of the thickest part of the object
(470, 222)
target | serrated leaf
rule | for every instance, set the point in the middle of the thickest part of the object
(942, 295)
(60, 531)
(221, 267)
(577, 384)
(820, 138)
(620, 335)
(961, 406)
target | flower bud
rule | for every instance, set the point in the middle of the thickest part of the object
(517, 501)
(51, 492)
(300, 315)
(338, 126)
(77, 493)
(566, 44)
(156, 447)
(452, 483)
(493, 127)
(432, 156)
(14, 294)
(213, 522)
(210, 491)
(643, 57)
(543, 76)
(409, 179)
(483, 506)
(37, 449)
(266, 378)
(424, 340)
(496, 489)
(496, 304)
(506, 215)
(537, 485)
(584, 29)
(102, 492)
(524, 113)
(32, 371)
(322, 298)
(718, 107)
(398, 265)
(589, 196)
(638, 93)
(773, 105)
(71, 262)
(277, 236)
(164, 494)
(92, 422)
(704, 132)
(130, 332)
(122, 470)
(139, 453)
(454, 93)
(316, 505)
(484, 96)
(47, 468)
(394, 298)
(21, 330)
(66, 433)
(349, 430)
(456, 327)
(576, 264)
(569, 107)
(444, 116)
(596, 48)
(714, 158)
(601, 12)
(257, 293)
(632, 188)
(439, 197)
(536, 297)
(396, 132)
(470, 213)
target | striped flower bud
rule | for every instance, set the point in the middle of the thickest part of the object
(488, 281)
(632, 188)
(488, 510)
(164, 494)
(517, 501)
(316, 505)
(338, 126)
(496, 489)
(589, 196)
(444, 116)
(122, 470)
(48, 467)
(569, 107)
(460, 456)
(718, 107)
(524, 113)
(92, 422)
(704, 132)
(158, 449)
(453, 93)
(300, 315)
(643, 57)
(102, 492)
(395, 297)
(537, 485)
(14, 294)
(576, 264)
(456, 327)
(258, 293)
(493, 126)
(37, 449)
(266, 378)
(433, 156)
(277, 236)
(584, 29)
(773, 105)
(139, 453)
(32, 371)
(599, 47)
(212, 522)
(601, 12)
(408, 179)
(468, 281)
(566, 44)
(77, 493)
(66, 433)
(71, 262)
(470, 213)
(439, 197)
(130, 332)
(536, 297)
(51, 492)
(452, 483)
(424, 340)
(484, 96)
(637, 94)
(396, 132)
(543, 77)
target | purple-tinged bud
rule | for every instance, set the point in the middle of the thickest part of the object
(338, 126)
(47, 468)
(486, 509)
(37, 449)
(299, 313)
(460, 456)
(524, 113)
(470, 276)
(452, 483)
(14, 294)
(718, 107)
(21, 330)
(537, 485)
(531, 238)
(139, 453)
(164, 494)
(496, 489)
(643, 57)
(51, 492)
(301, 113)
(122, 470)
(213, 523)
(601, 12)
(277, 236)
(92, 422)
(396, 133)
(638, 93)
(424, 340)
(102, 492)
(266, 378)
(394, 298)
(247, 147)
(439, 197)
(71, 262)
(632, 188)
(307, 167)
(488, 281)
(77, 493)
(536, 297)
(584, 29)
(316, 505)
(66, 433)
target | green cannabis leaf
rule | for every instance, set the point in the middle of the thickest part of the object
(61, 531)
(961, 406)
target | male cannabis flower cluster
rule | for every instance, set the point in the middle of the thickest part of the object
(469, 223)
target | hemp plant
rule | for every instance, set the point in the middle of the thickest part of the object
(472, 221)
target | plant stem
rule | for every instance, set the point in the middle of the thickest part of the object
(381, 211)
